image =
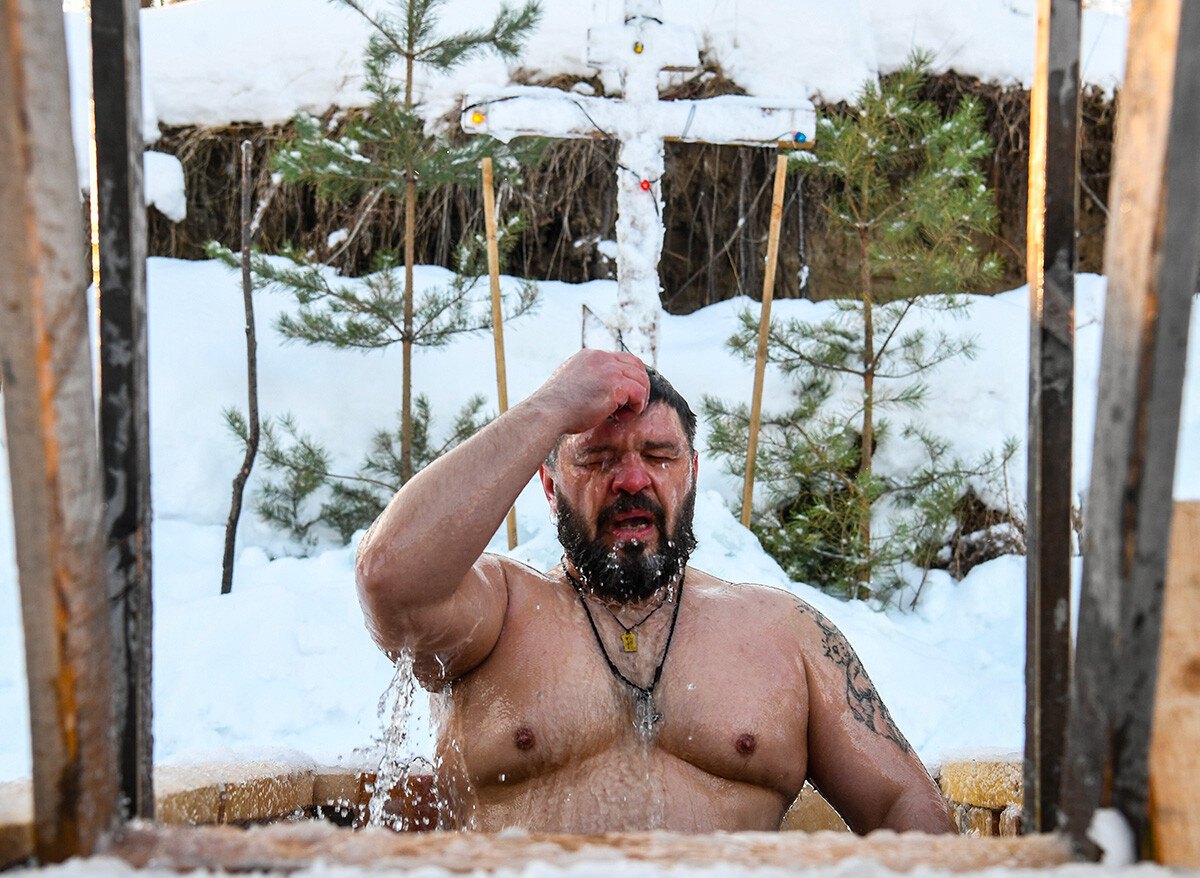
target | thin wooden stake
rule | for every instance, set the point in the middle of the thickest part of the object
(54, 465)
(1152, 257)
(764, 328)
(1053, 199)
(493, 257)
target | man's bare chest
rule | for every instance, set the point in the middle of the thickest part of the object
(555, 695)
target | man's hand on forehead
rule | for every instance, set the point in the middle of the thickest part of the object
(594, 385)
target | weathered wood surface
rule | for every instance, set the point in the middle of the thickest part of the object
(1153, 255)
(1053, 203)
(51, 428)
(287, 847)
(1175, 741)
(120, 218)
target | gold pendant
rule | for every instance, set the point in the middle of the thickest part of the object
(629, 641)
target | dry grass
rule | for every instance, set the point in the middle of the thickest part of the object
(569, 201)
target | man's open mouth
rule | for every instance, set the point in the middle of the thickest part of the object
(632, 520)
(633, 525)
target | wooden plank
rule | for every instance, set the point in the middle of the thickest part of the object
(50, 416)
(124, 387)
(1175, 740)
(1153, 255)
(1053, 201)
(288, 846)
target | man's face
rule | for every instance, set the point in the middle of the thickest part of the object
(624, 494)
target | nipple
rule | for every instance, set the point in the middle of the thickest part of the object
(745, 744)
(523, 738)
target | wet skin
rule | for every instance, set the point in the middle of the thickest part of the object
(758, 690)
(731, 750)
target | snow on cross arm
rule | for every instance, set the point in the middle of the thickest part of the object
(639, 49)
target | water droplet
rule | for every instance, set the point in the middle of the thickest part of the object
(691, 686)
(502, 777)
(537, 606)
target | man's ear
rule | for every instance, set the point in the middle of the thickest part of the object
(695, 465)
(547, 477)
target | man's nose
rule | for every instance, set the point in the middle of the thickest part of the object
(630, 475)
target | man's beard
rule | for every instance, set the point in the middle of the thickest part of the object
(627, 572)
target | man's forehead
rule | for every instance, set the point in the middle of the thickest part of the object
(658, 423)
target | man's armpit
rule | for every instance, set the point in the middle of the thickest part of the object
(862, 699)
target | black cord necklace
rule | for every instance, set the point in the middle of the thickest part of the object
(629, 641)
(647, 715)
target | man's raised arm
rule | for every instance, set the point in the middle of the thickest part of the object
(423, 580)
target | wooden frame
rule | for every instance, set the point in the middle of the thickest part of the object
(48, 388)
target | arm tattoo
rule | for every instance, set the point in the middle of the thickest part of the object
(861, 697)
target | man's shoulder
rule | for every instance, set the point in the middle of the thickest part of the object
(511, 570)
(750, 595)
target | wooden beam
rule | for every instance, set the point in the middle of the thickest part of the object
(1175, 740)
(124, 388)
(1053, 203)
(1153, 255)
(48, 404)
(286, 847)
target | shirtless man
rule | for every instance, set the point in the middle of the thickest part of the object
(622, 690)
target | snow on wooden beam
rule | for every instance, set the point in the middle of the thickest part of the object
(1153, 255)
(50, 416)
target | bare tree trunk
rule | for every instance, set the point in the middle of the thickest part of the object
(252, 419)
(868, 423)
(410, 254)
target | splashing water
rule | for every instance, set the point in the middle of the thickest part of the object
(405, 795)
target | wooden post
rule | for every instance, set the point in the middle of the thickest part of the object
(1153, 255)
(1053, 200)
(764, 329)
(48, 402)
(1175, 742)
(493, 257)
(124, 387)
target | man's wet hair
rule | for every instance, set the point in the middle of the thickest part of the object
(661, 390)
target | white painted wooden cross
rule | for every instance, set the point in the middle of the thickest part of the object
(638, 50)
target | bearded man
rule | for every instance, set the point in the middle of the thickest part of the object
(623, 689)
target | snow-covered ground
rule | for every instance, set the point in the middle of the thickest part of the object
(284, 661)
